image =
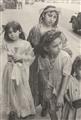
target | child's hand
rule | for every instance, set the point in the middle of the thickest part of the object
(10, 57)
(60, 101)
(17, 58)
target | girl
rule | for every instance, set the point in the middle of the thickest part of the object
(48, 20)
(54, 69)
(73, 93)
(15, 82)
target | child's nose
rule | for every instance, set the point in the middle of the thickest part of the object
(12, 33)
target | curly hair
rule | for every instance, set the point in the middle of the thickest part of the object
(49, 9)
(15, 26)
(76, 64)
(46, 40)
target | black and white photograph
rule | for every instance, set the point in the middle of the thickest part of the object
(40, 59)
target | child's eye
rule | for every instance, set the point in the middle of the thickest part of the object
(54, 16)
(14, 31)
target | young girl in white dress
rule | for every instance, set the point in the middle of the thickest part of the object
(17, 95)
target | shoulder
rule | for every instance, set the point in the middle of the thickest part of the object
(63, 54)
(34, 28)
(25, 43)
(65, 59)
(33, 33)
(72, 81)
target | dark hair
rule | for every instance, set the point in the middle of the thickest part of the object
(49, 9)
(15, 26)
(46, 40)
(76, 64)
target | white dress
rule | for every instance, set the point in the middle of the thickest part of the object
(16, 90)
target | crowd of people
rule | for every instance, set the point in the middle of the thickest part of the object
(39, 70)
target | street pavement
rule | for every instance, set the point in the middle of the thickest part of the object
(27, 17)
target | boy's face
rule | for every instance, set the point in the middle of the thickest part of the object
(55, 46)
(50, 18)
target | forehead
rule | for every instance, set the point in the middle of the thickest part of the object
(12, 29)
(55, 42)
(52, 13)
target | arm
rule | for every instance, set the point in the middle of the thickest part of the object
(26, 55)
(29, 58)
(65, 81)
(65, 77)
(60, 97)
(29, 54)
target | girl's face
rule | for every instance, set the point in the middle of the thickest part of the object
(79, 72)
(13, 34)
(50, 18)
(55, 47)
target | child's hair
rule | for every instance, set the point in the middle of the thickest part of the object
(49, 9)
(46, 40)
(76, 65)
(15, 26)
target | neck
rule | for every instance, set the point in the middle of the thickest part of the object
(52, 56)
(14, 41)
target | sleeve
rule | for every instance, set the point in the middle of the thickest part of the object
(65, 44)
(29, 49)
(29, 54)
(3, 44)
(33, 36)
(67, 65)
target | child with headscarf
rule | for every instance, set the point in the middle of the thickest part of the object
(48, 20)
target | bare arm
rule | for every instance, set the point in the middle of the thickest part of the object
(64, 84)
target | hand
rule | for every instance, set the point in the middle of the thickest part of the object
(10, 57)
(60, 101)
(17, 58)
(49, 93)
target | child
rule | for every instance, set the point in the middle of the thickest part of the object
(73, 92)
(48, 20)
(55, 68)
(16, 90)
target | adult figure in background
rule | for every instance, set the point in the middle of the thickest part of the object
(19, 4)
(48, 20)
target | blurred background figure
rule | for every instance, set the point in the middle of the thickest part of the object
(19, 4)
